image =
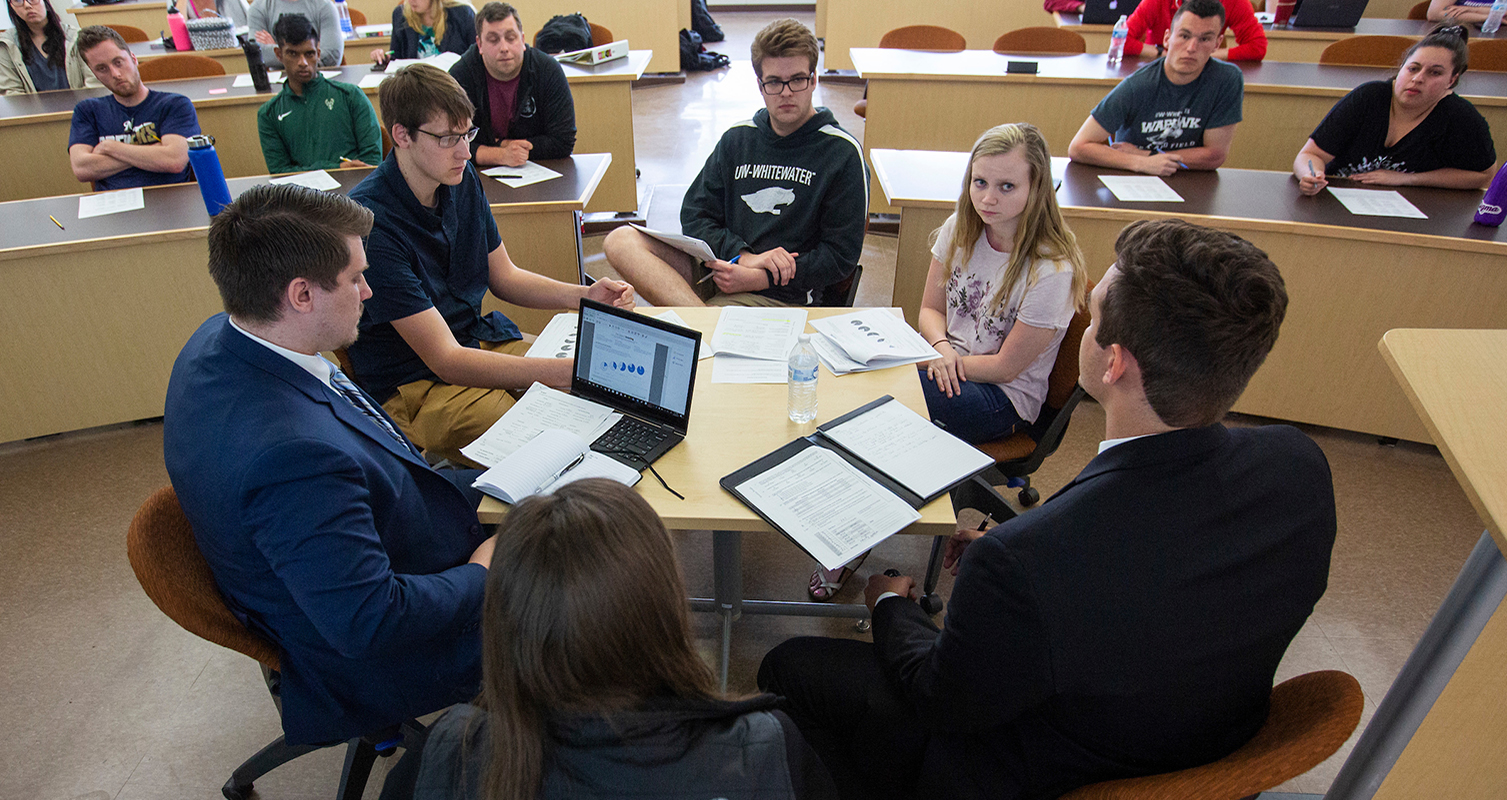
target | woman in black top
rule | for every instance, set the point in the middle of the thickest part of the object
(423, 28)
(1410, 131)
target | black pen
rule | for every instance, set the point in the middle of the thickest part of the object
(568, 467)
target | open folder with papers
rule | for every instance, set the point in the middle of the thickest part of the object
(859, 479)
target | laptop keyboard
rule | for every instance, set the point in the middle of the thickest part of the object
(629, 435)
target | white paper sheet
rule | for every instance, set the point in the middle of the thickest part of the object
(837, 362)
(1376, 203)
(540, 409)
(557, 340)
(875, 334)
(1140, 189)
(767, 333)
(834, 511)
(98, 205)
(907, 447)
(735, 369)
(276, 76)
(702, 351)
(372, 80)
(318, 179)
(690, 245)
(444, 61)
(518, 177)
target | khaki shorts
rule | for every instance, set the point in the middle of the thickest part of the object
(441, 418)
(709, 294)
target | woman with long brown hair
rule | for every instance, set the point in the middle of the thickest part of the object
(591, 685)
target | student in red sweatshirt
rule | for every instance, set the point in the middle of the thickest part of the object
(1149, 23)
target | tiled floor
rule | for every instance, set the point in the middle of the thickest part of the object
(105, 698)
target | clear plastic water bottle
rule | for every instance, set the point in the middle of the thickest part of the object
(1494, 17)
(1493, 207)
(1121, 32)
(803, 381)
(344, 15)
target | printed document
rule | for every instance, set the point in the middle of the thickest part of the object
(540, 409)
(557, 340)
(318, 179)
(767, 333)
(547, 462)
(98, 205)
(875, 334)
(518, 177)
(907, 447)
(1140, 189)
(1376, 203)
(827, 506)
(735, 369)
(690, 245)
(702, 351)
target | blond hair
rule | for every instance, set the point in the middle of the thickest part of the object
(437, 8)
(1040, 231)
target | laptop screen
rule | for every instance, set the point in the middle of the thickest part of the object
(635, 363)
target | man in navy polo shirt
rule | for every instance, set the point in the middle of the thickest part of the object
(426, 352)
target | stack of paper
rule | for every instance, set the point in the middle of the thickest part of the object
(752, 345)
(548, 461)
(868, 340)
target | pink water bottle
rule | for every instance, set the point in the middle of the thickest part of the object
(179, 27)
(1491, 211)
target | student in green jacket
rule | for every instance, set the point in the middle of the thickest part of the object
(314, 123)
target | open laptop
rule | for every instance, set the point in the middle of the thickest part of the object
(1327, 13)
(642, 367)
(1107, 12)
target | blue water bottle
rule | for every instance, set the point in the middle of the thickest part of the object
(1491, 211)
(207, 170)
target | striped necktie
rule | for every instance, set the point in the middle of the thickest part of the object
(358, 398)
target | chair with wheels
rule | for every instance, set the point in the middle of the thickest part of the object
(1019, 454)
(179, 65)
(916, 37)
(1310, 717)
(1367, 51)
(130, 33)
(161, 548)
(1045, 40)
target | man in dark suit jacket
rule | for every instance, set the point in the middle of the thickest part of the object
(325, 529)
(1132, 624)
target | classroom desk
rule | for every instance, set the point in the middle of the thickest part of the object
(34, 128)
(731, 426)
(148, 15)
(1440, 731)
(846, 24)
(646, 24)
(943, 101)
(233, 59)
(1284, 43)
(1349, 278)
(93, 316)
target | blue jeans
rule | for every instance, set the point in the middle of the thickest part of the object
(978, 413)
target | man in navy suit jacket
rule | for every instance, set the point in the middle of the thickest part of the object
(1132, 624)
(325, 529)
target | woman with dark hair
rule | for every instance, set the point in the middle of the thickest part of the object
(424, 28)
(37, 55)
(1410, 131)
(591, 683)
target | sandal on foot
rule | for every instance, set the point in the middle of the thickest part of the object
(826, 583)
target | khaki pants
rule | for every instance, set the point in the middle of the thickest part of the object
(709, 294)
(442, 419)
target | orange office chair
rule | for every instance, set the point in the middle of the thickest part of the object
(179, 65)
(1019, 454)
(161, 548)
(357, 16)
(916, 37)
(1043, 40)
(1488, 55)
(600, 35)
(130, 33)
(1419, 11)
(1310, 717)
(1367, 51)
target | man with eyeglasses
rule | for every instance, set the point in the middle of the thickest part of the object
(782, 200)
(523, 103)
(426, 352)
(133, 136)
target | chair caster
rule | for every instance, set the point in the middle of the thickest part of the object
(863, 626)
(1029, 497)
(234, 792)
(932, 604)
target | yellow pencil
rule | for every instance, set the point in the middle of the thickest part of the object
(55, 222)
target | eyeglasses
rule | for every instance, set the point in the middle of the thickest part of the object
(799, 83)
(449, 140)
(25, 3)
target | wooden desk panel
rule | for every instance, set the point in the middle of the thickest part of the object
(34, 128)
(93, 316)
(910, 92)
(233, 59)
(148, 15)
(757, 413)
(1283, 43)
(1350, 278)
